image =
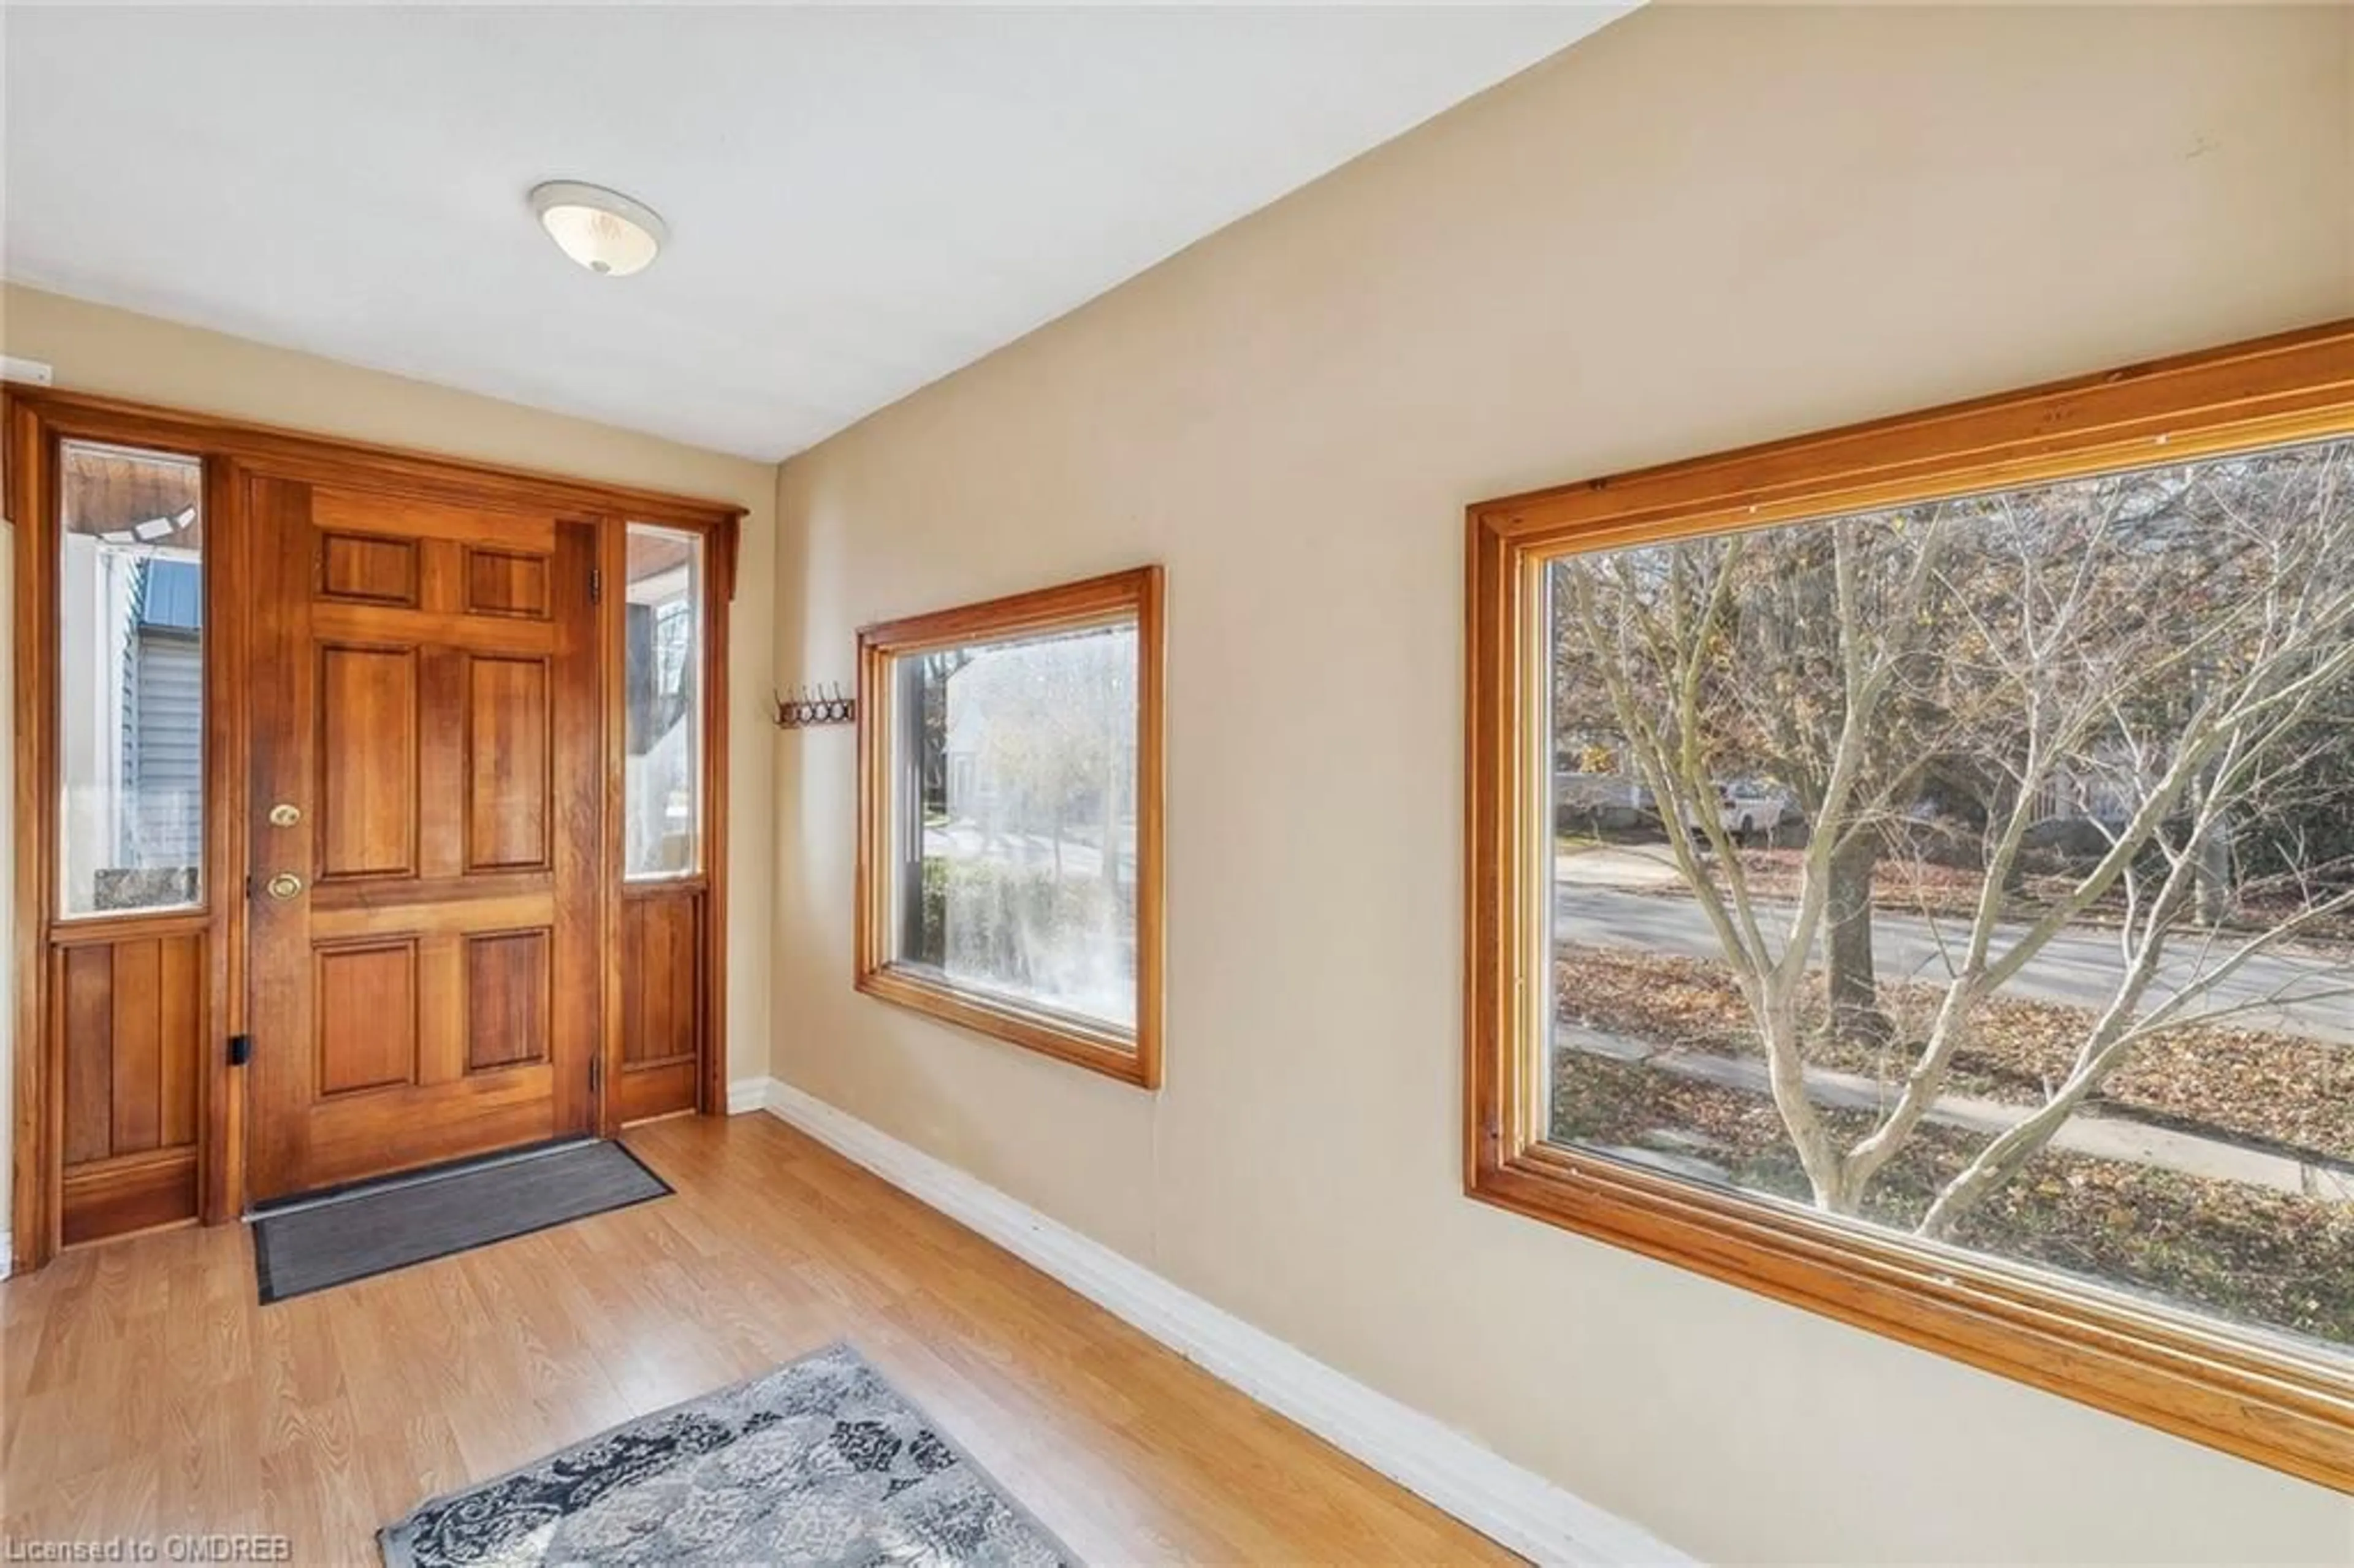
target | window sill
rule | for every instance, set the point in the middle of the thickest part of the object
(1133, 1057)
(2261, 1399)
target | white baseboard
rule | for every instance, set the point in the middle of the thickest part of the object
(748, 1095)
(1514, 1507)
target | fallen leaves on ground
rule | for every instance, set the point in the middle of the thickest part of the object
(2245, 1252)
(2279, 1089)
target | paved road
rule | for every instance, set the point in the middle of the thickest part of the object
(962, 840)
(2303, 994)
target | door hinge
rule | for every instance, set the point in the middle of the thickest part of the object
(596, 584)
(241, 1050)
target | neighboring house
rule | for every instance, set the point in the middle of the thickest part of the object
(132, 736)
(1037, 732)
(1590, 775)
(2106, 787)
(162, 717)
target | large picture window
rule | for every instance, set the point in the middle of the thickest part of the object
(1009, 869)
(1929, 895)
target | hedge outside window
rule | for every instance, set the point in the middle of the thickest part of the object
(1912, 875)
(1009, 820)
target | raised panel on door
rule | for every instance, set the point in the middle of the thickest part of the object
(504, 582)
(367, 759)
(509, 793)
(509, 976)
(369, 569)
(364, 1007)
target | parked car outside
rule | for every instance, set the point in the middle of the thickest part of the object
(1745, 809)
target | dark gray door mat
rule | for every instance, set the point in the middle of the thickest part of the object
(376, 1228)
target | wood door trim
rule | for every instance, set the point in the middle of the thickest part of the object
(318, 458)
(36, 1207)
(718, 591)
(612, 566)
(220, 1160)
(32, 422)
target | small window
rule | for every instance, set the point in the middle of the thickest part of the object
(131, 669)
(1911, 874)
(1011, 820)
(662, 785)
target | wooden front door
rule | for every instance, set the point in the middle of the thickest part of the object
(426, 797)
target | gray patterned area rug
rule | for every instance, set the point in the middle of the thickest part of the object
(819, 1463)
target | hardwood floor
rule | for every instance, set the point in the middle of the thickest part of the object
(146, 1393)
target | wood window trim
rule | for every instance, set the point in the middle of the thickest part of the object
(2258, 1398)
(1118, 597)
(32, 422)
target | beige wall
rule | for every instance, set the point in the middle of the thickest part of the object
(95, 349)
(1702, 227)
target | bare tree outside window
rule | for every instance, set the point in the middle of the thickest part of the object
(1983, 869)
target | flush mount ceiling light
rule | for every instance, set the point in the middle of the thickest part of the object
(603, 230)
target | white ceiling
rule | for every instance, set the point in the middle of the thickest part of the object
(859, 199)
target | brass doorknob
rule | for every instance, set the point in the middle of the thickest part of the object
(285, 885)
(285, 814)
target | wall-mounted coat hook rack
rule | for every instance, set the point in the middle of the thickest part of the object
(811, 706)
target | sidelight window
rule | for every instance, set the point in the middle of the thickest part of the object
(663, 632)
(130, 712)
